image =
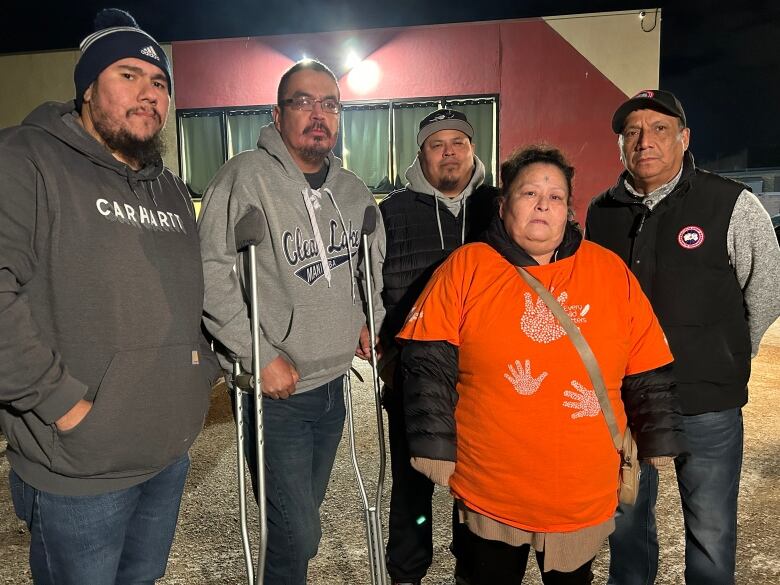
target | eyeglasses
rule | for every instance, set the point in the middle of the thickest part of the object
(305, 103)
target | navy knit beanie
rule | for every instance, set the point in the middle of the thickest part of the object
(116, 37)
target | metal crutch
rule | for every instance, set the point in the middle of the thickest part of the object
(249, 232)
(372, 512)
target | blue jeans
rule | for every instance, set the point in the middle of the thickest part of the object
(301, 435)
(121, 537)
(708, 480)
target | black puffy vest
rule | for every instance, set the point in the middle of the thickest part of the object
(678, 252)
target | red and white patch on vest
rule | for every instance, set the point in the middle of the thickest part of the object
(691, 237)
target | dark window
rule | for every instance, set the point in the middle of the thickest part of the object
(377, 140)
(243, 128)
(365, 137)
(201, 148)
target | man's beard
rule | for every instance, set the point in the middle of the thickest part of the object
(143, 152)
(447, 183)
(317, 152)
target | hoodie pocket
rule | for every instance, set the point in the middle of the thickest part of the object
(323, 338)
(148, 410)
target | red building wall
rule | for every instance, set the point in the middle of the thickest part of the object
(548, 92)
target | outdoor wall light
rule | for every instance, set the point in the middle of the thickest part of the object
(364, 77)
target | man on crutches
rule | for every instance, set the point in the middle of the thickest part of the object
(311, 302)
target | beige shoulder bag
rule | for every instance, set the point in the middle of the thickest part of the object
(625, 444)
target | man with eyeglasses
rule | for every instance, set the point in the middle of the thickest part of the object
(311, 291)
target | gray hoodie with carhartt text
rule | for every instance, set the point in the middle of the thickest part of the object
(310, 281)
(100, 298)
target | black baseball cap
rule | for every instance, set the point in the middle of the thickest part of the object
(444, 120)
(648, 99)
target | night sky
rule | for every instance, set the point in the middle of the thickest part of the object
(722, 59)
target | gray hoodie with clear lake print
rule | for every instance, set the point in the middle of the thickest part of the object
(310, 276)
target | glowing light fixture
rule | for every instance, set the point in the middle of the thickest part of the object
(352, 60)
(364, 77)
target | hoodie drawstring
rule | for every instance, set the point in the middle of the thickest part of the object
(308, 195)
(438, 221)
(150, 188)
(131, 184)
(349, 248)
(463, 222)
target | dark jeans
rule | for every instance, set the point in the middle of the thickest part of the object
(410, 538)
(490, 562)
(708, 480)
(302, 434)
(119, 538)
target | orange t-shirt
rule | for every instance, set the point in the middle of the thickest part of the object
(534, 449)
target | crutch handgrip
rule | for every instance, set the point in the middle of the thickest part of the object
(246, 382)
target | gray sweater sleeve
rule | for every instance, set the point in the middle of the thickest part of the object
(225, 311)
(753, 252)
(32, 374)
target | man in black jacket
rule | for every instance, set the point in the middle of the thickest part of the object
(703, 250)
(443, 206)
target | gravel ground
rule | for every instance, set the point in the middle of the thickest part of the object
(207, 549)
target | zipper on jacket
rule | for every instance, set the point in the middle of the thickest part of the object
(636, 229)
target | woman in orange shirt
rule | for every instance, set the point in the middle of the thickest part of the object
(499, 404)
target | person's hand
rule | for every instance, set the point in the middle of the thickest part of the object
(659, 462)
(363, 350)
(279, 378)
(74, 416)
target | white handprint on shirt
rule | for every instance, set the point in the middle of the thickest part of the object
(586, 403)
(540, 324)
(521, 378)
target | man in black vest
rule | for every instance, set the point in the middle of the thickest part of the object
(703, 249)
(443, 206)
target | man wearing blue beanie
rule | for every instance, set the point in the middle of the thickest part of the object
(104, 374)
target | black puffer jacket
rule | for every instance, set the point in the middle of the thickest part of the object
(416, 247)
(430, 372)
